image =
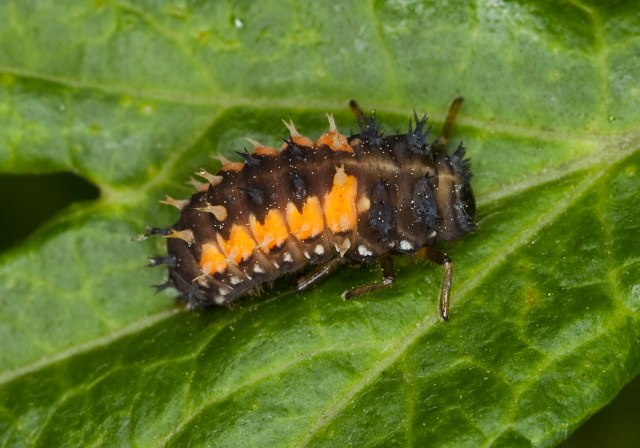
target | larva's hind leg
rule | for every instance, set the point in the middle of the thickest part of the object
(313, 277)
(388, 279)
(445, 290)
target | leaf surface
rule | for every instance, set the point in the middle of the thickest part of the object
(134, 96)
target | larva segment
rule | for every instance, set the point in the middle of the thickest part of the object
(376, 207)
(301, 186)
(412, 230)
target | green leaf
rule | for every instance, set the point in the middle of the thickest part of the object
(134, 96)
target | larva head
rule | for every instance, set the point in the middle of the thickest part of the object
(456, 204)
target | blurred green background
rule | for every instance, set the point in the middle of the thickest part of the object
(35, 199)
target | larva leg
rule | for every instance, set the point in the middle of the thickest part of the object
(443, 138)
(445, 289)
(388, 279)
(356, 110)
(313, 277)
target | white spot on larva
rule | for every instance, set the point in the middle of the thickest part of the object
(363, 204)
(287, 257)
(364, 251)
(275, 265)
(219, 300)
(234, 280)
(406, 245)
(238, 23)
(344, 247)
(319, 249)
(258, 269)
(306, 254)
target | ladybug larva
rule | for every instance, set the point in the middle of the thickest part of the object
(339, 200)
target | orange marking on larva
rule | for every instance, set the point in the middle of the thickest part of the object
(272, 233)
(265, 151)
(260, 149)
(296, 137)
(307, 224)
(239, 246)
(333, 139)
(185, 235)
(340, 203)
(233, 166)
(211, 259)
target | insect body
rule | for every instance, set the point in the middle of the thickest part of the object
(338, 200)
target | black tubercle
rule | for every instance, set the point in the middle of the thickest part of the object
(157, 231)
(168, 260)
(162, 286)
(256, 195)
(461, 166)
(299, 189)
(369, 129)
(465, 214)
(417, 139)
(426, 208)
(381, 211)
(248, 159)
(295, 149)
